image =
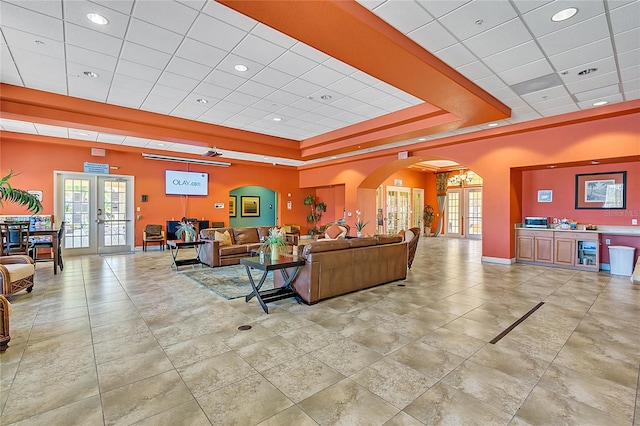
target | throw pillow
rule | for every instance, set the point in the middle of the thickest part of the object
(409, 235)
(333, 231)
(225, 239)
(402, 233)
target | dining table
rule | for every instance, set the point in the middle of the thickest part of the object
(48, 231)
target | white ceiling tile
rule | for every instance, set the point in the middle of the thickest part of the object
(550, 112)
(631, 85)
(598, 80)
(582, 55)
(369, 95)
(32, 65)
(631, 73)
(463, 22)
(188, 68)
(532, 70)
(258, 50)
(322, 76)
(629, 58)
(347, 86)
(282, 97)
(201, 53)
(611, 99)
(135, 70)
(574, 36)
(157, 38)
(154, 144)
(51, 8)
(215, 116)
(231, 60)
(625, 18)
(89, 88)
(273, 78)
(474, 70)
(525, 6)
(502, 37)
(432, 37)
(256, 89)
(602, 66)
(168, 92)
(552, 97)
(159, 104)
(166, 14)
(210, 91)
(514, 57)
(17, 126)
(92, 40)
(540, 23)
(225, 79)
(628, 40)
(339, 66)
(225, 14)
(184, 84)
(596, 94)
(54, 85)
(26, 41)
(405, 16)
(144, 55)
(83, 134)
(133, 141)
(301, 88)
(631, 95)
(124, 6)
(91, 59)
(110, 138)
(227, 106)
(126, 97)
(75, 12)
(216, 33)
(275, 37)
(31, 22)
(294, 64)
(309, 52)
(456, 55)
(503, 93)
(439, 8)
(490, 83)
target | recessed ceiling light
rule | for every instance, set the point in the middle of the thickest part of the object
(587, 71)
(241, 68)
(97, 19)
(492, 124)
(91, 74)
(552, 167)
(600, 103)
(479, 22)
(564, 14)
(594, 162)
(203, 101)
(325, 97)
(160, 144)
(334, 157)
(277, 119)
(39, 42)
(420, 139)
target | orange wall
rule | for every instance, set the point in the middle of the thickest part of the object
(36, 163)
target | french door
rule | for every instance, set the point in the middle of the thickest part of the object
(98, 212)
(418, 206)
(398, 208)
(464, 213)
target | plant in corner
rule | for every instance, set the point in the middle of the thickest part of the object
(18, 196)
(427, 217)
(317, 208)
(359, 223)
(186, 231)
(274, 242)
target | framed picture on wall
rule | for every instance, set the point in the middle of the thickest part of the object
(232, 205)
(601, 190)
(545, 196)
(250, 206)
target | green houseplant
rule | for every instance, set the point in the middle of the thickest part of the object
(186, 231)
(18, 196)
(317, 208)
(427, 218)
(359, 224)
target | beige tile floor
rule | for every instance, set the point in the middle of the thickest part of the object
(124, 340)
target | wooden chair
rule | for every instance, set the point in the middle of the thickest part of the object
(5, 310)
(153, 234)
(16, 237)
(48, 244)
(16, 274)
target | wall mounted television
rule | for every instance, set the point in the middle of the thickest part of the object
(186, 183)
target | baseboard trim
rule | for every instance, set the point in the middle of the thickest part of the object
(499, 260)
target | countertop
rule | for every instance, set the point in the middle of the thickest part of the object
(602, 229)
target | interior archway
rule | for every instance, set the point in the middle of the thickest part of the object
(254, 206)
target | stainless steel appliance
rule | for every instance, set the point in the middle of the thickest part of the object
(536, 222)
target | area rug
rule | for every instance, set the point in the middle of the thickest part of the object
(230, 282)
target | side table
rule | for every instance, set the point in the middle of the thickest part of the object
(266, 265)
(176, 245)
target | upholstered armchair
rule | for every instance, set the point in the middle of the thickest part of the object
(16, 274)
(335, 231)
(5, 310)
(153, 234)
(412, 236)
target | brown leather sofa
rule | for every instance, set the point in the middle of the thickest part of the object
(337, 267)
(243, 240)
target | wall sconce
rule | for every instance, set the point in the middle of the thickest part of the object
(461, 178)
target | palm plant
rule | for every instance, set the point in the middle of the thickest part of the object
(18, 196)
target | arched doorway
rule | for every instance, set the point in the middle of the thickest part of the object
(254, 206)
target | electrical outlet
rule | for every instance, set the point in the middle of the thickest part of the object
(634, 221)
(607, 241)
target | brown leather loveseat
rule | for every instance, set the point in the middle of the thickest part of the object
(238, 244)
(337, 267)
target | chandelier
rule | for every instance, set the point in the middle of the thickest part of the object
(460, 178)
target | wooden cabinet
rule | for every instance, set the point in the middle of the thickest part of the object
(569, 249)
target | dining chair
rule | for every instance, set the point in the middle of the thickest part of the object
(153, 234)
(16, 236)
(47, 243)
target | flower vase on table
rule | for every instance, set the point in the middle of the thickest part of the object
(359, 224)
(186, 231)
(274, 243)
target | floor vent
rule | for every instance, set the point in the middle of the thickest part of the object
(515, 324)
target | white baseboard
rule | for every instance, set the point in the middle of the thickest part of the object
(499, 260)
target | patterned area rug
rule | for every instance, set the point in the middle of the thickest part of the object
(230, 282)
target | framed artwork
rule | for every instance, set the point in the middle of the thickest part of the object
(601, 190)
(545, 196)
(250, 206)
(232, 205)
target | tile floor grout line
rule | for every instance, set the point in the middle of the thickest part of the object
(515, 324)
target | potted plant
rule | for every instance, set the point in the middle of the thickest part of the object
(274, 242)
(186, 231)
(359, 224)
(18, 196)
(317, 208)
(427, 218)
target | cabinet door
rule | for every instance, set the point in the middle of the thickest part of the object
(565, 251)
(524, 248)
(544, 249)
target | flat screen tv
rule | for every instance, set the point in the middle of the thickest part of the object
(186, 183)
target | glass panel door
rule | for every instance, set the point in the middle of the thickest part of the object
(114, 215)
(453, 210)
(398, 208)
(418, 205)
(473, 209)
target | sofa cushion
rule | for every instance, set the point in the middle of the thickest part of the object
(209, 233)
(263, 231)
(224, 238)
(362, 242)
(19, 271)
(325, 245)
(388, 238)
(246, 235)
(235, 249)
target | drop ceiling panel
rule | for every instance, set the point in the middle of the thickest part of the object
(293, 63)
(463, 22)
(474, 70)
(31, 22)
(574, 36)
(201, 53)
(160, 104)
(611, 99)
(406, 16)
(256, 89)
(600, 93)
(597, 80)
(126, 97)
(502, 37)
(92, 40)
(124, 6)
(433, 37)
(166, 14)
(135, 70)
(526, 6)
(144, 55)
(625, 18)
(26, 41)
(602, 66)
(273, 78)
(440, 8)
(225, 79)
(515, 57)
(55, 131)
(530, 71)
(216, 33)
(92, 61)
(190, 109)
(211, 92)
(456, 56)
(32, 65)
(582, 55)
(169, 92)
(227, 15)
(187, 68)
(75, 12)
(184, 84)
(540, 23)
(258, 50)
(51, 8)
(629, 59)
(154, 37)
